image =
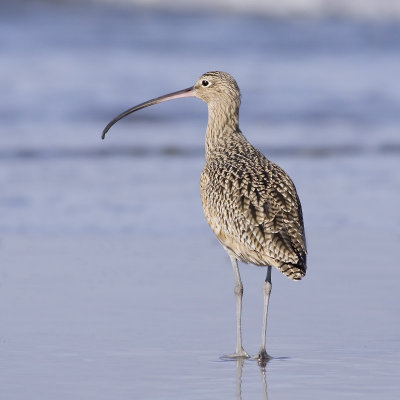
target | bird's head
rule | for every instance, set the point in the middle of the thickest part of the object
(216, 88)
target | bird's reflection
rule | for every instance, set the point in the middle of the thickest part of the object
(263, 369)
(239, 371)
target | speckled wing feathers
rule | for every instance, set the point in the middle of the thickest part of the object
(253, 208)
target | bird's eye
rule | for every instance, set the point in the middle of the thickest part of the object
(205, 83)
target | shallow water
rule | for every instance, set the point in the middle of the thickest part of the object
(123, 316)
(111, 283)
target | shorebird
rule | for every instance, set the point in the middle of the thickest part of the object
(249, 202)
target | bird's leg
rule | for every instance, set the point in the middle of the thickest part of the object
(239, 294)
(262, 354)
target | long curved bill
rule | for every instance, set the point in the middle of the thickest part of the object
(189, 92)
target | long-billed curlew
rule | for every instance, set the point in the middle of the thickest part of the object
(249, 202)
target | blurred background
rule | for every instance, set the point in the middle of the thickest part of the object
(105, 255)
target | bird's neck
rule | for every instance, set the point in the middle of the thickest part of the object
(223, 125)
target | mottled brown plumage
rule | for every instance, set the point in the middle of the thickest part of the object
(252, 207)
(249, 202)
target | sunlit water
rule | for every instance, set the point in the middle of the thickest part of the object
(111, 283)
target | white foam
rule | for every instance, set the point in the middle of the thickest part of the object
(363, 9)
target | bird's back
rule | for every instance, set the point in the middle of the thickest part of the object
(252, 206)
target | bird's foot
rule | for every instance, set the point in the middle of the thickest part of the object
(239, 354)
(262, 357)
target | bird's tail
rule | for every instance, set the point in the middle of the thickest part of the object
(293, 271)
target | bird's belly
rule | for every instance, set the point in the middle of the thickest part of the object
(245, 252)
(228, 233)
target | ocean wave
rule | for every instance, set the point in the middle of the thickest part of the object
(360, 9)
(144, 151)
